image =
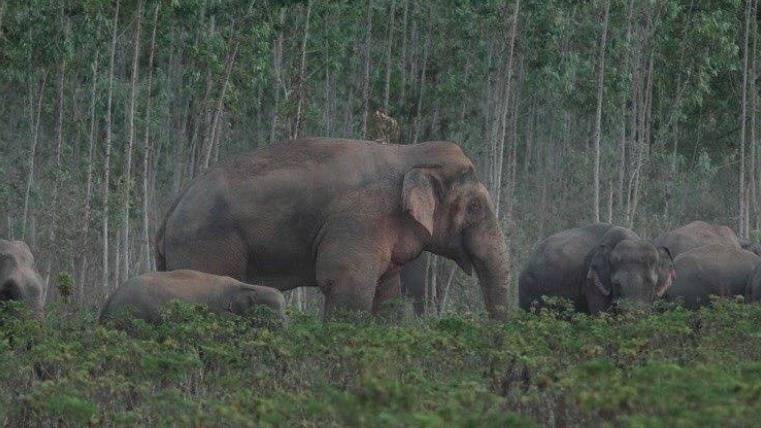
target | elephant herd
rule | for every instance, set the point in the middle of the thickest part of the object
(353, 217)
(595, 266)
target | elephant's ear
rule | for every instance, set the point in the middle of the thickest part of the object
(666, 271)
(418, 198)
(599, 271)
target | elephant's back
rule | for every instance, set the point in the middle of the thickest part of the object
(697, 234)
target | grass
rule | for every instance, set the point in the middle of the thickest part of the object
(667, 367)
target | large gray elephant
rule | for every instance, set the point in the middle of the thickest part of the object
(342, 215)
(719, 270)
(146, 294)
(697, 234)
(18, 278)
(593, 266)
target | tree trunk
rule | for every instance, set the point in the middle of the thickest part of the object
(89, 185)
(229, 64)
(389, 43)
(598, 115)
(508, 88)
(403, 55)
(302, 72)
(277, 53)
(421, 87)
(366, 72)
(131, 142)
(743, 121)
(107, 159)
(32, 153)
(147, 146)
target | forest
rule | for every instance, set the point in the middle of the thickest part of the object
(638, 113)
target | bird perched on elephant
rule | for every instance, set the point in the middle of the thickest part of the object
(697, 234)
(594, 266)
(145, 295)
(341, 215)
(719, 270)
(18, 278)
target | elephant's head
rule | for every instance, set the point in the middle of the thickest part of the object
(247, 298)
(455, 213)
(634, 270)
(20, 283)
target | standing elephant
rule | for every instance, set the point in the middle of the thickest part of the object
(146, 294)
(342, 215)
(697, 234)
(18, 279)
(719, 270)
(595, 265)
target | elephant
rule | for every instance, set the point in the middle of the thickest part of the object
(594, 266)
(753, 247)
(413, 281)
(146, 294)
(18, 278)
(697, 234)
(720, 270)
(342, 215)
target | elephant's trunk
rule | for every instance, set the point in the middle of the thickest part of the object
(491, 260)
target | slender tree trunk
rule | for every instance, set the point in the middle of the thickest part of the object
(389, 43)
(87, 215)
(598, 114)
(403, 56)
(302, 73)
(508, 88)
(2, 14)
(107, 159)
(229, 64)
(131, 141)
(366, 72)
(421, 90)
(32, 153)
(147, 145)
(743, 121)
(53, 208)
(277, 53)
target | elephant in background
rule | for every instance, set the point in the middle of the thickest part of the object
(594, 266)
(697, 234)
(146, 294)
(18, 278)
(342, 215)
(719, 270)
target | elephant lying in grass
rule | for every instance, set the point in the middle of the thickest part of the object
(18, 279)
(594, 266)
(146, 294)
(718, 270)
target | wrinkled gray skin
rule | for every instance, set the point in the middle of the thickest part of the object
(697, 234)
(593, 266)
(18, 278)
(412, 278)
(342, 215)
(718, 270)
(146, 294)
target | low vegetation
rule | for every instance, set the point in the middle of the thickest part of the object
(668, 367)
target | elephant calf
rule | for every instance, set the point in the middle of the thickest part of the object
(719, 270)
(18, 279)
(147, 293)
(595, 265)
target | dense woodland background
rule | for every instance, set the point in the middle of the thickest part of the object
(639, 112)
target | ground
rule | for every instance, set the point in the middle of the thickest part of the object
(667, 367)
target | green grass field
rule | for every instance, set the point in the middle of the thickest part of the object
(670, 367)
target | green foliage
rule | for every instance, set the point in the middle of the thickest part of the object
(65, 284)
(666, 367)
